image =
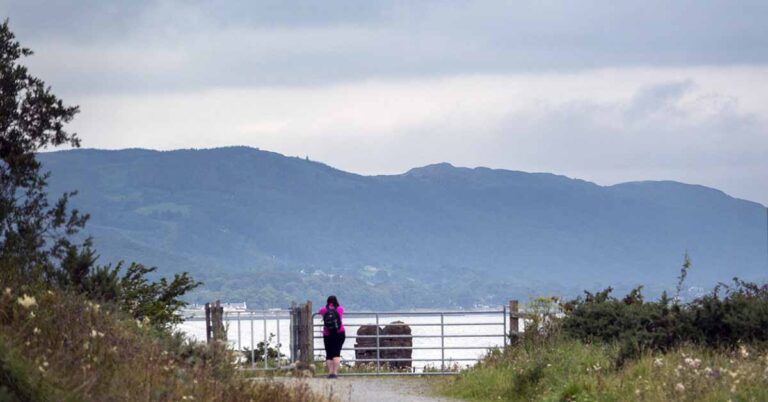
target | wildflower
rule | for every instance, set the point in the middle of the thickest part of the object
(692, 363)
(27, 301)
(679, 387)
(45, 364)
(36, 331)
(8, 291)
(86, 345)
(658, 362)
(708, 371)
(743, 352)
(41, 369)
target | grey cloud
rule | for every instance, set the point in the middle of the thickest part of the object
(314, 43)
(657, 97)
(603, 142)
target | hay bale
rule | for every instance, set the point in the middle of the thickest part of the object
(400, 329)
(368, 343)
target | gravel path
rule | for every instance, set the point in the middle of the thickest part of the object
(371, 389)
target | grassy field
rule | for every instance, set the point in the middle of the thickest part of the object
(57, 346)
(569, 370)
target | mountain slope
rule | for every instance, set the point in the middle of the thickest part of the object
(242, 218)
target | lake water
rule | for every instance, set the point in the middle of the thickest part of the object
(481, 330)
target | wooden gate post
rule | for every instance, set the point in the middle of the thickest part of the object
(306, 335)
(514, 317)
(214, 322)
(208, 326)
(294, 332)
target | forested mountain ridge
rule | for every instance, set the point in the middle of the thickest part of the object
(260, 226)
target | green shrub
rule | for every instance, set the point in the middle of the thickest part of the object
(738, 315)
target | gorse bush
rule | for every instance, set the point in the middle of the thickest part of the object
(729, 316)
(602, 348)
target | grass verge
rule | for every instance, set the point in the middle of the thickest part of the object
(569, 370)
(58, 346)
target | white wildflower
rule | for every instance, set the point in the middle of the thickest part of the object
(743, 352)
(27, 301)
(679, 387)
(658, 362)
(692, 363)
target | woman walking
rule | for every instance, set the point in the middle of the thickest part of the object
(333, 334)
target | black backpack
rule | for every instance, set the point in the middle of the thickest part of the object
(331, 320)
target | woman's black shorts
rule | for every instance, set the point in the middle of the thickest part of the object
(333, 344)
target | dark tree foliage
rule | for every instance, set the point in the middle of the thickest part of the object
(33, 233)
(36, 246)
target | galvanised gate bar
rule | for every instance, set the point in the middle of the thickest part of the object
(441, 340)
(247, 329)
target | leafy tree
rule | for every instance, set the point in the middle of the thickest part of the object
(36, 246)
(33, 233)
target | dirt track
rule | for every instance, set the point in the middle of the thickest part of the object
(369, 389)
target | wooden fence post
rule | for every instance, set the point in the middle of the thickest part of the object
(294, 332)
(214, 322)
(208, 326)
(306, 335)
(514, 318)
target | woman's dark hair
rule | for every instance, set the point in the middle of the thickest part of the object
(332, 300)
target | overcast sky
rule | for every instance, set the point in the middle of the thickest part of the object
(607, 91)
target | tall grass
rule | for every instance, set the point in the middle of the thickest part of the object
(562, 369)
(58, 346)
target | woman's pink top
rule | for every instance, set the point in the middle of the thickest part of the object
(341, 317)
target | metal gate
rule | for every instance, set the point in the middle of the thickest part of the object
(441, 341)
(263, 337)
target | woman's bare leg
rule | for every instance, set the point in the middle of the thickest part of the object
(329, 366)
(336, 364)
